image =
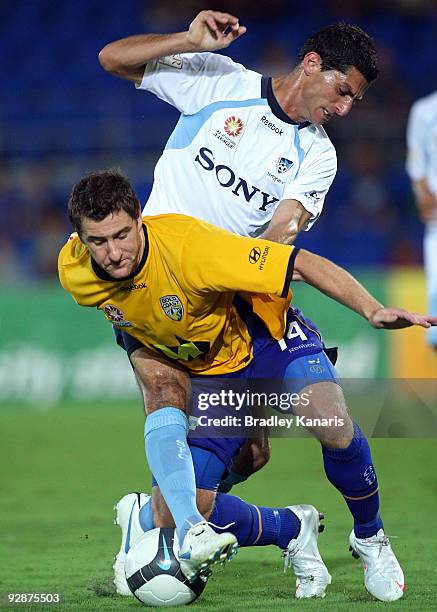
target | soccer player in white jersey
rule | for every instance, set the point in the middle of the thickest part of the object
(422, 170)
(249, 154)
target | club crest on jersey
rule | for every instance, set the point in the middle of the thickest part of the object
(283, 165)
(172, 306)
(115, 316)
(233, 126)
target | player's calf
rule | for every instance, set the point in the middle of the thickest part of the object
(162, 516)
(326, 415)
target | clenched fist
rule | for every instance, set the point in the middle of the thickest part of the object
(212, 30)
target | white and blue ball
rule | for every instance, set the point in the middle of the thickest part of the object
(153, 572)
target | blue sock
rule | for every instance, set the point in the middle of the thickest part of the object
(145, 516)
(170, 461)
(255, 525)
(351, 471)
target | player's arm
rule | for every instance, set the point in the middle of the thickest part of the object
(418, 130)
(288, 220)
(215, 260)
(304, 195)
(338, 284)
(209, 31)
(426, 201)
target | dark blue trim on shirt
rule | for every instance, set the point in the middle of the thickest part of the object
(267, 92)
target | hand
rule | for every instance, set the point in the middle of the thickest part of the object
(426, 201)
(212, 30)
(397, 318)
(427, 209)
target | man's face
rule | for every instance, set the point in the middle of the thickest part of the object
(116, 243)
(330, 92)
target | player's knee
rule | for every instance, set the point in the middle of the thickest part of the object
(160, 384)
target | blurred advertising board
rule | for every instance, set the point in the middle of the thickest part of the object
(52, 351)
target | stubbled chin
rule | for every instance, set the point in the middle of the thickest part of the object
(119, 272)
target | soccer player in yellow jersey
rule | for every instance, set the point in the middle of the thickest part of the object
(170, 282)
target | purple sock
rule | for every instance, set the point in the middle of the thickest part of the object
(255, 525)
(351, 471)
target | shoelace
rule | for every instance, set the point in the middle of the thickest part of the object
(218, 526)
(214, 525)
(384, 541)
(288, 555)
(287, 560)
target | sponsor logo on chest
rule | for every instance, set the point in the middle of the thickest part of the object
(228, 179)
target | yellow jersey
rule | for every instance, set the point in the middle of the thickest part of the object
(179, 301)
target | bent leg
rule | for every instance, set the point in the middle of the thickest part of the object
(209, 470)
(252, 525)
(165, 390)
(346, 452)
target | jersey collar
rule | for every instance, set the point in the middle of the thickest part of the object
(105, 276)
(267, 92)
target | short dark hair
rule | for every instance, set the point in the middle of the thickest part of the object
(99, 194)
(342, 46)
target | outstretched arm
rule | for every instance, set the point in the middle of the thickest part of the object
(342, 287)
(210, 31)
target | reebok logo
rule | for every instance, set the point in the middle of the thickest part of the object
(133, 287)
(271, 126)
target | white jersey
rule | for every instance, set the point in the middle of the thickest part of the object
(234, 154)
(422, 164)
(422, 141)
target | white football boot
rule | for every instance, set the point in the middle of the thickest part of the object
(383, 576)
(312, 576)
(203, 547)
(127, 517)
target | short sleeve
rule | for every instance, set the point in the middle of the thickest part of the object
(217, 260)
(314, 178)
(191, 81)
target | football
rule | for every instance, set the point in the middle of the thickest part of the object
(153, 572)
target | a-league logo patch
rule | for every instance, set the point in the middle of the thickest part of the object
(233, 126)
(115, 315)
(283, 165)
(172, 306)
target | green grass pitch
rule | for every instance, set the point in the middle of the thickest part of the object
(63, 470)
